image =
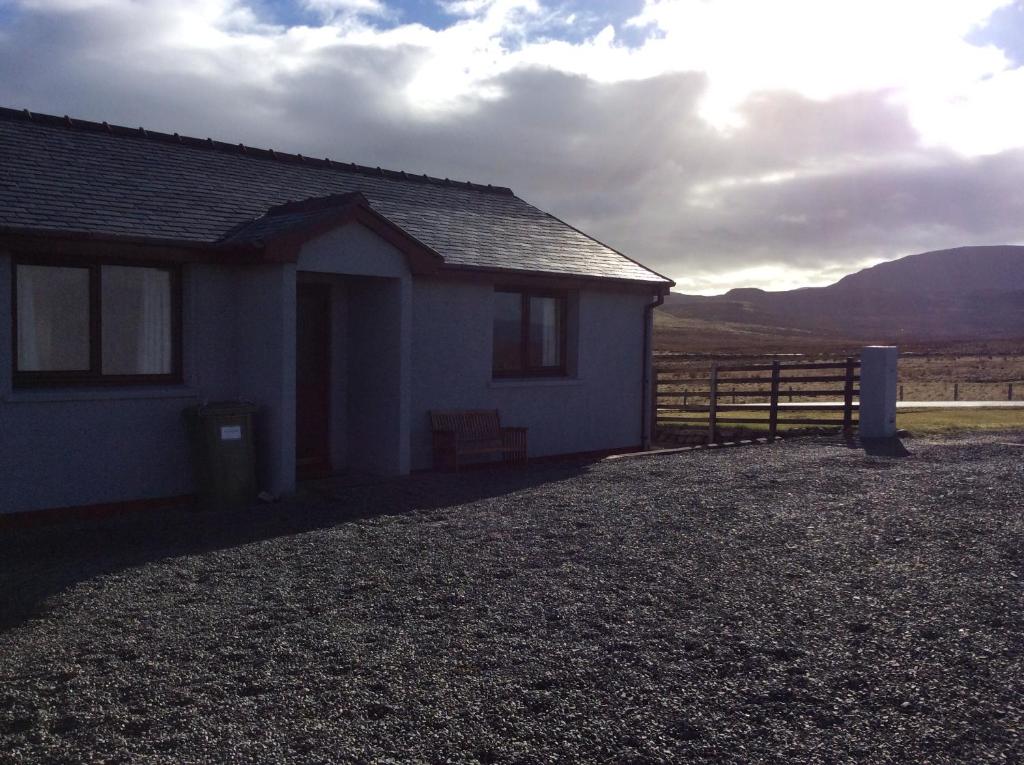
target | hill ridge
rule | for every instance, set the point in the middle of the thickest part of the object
(963, 293)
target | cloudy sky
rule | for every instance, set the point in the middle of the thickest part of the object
(726, 143)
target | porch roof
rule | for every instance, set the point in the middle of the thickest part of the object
(75, 177)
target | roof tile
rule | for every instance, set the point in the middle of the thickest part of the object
(108, 179)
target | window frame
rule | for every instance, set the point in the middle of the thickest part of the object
(94, 376)
(525, 370)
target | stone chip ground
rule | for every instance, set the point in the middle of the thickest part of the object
(802, 602)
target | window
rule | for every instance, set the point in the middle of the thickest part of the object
(93, 324)
(529, 333)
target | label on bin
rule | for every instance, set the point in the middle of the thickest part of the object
(231, 433)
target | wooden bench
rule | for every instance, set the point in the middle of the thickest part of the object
(471, 432)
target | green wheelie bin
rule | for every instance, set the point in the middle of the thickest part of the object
(223, 456)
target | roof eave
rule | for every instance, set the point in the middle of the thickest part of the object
(511, 275)
(100, 244)
(284, 248)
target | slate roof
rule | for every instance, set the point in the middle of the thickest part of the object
(64, 175)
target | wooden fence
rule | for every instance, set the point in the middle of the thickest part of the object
(698, 404)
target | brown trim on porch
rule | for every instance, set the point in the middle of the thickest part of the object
(285, 247)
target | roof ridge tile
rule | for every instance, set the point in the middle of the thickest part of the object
(209, 144)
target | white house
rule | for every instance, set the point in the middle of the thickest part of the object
(142, 272)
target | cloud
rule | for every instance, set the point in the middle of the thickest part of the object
(717, 152)
(345, 6)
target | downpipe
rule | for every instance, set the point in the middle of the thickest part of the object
(646, 404)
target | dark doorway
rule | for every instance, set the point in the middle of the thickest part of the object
(313, 381)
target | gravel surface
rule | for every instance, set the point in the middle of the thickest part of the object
(802, 602)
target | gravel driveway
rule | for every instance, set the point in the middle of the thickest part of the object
(801, 602)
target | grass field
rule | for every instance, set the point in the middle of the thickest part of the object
(918, 422)
(701, 421)
(945, 421)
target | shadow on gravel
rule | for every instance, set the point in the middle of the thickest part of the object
(38, 562)
(879, 447)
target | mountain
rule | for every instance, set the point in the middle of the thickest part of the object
(956, 295)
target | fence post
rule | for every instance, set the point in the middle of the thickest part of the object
(684, 396)
(791, 395)
(956, 391)
(712, 403)
(848, 397)
(652, 432)
(901, 391)
(773, 403)
(1009, 391)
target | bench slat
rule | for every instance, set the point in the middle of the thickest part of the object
(473, 431)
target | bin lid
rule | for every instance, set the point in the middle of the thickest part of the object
(222, 408)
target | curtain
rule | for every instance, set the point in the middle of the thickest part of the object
(28, 331)
(551, 353)
(153, 354)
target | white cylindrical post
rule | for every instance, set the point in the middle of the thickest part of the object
(878, 389)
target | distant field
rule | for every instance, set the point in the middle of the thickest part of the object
(673, 333)
(981, 377)
(749, 334)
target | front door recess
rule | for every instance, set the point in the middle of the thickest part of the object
(313, 381)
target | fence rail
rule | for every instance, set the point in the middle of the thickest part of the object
(671, 399)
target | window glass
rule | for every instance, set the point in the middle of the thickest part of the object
(53, 318)
(136, 320)
(545, 336)
(529, 333)
(508, 331)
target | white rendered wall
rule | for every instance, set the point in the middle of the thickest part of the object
(597, 407)
(266, 368)
(339, 373)
(432, 349)
(353, 250)
(370, 347)
(63, 447)
(378, 419)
